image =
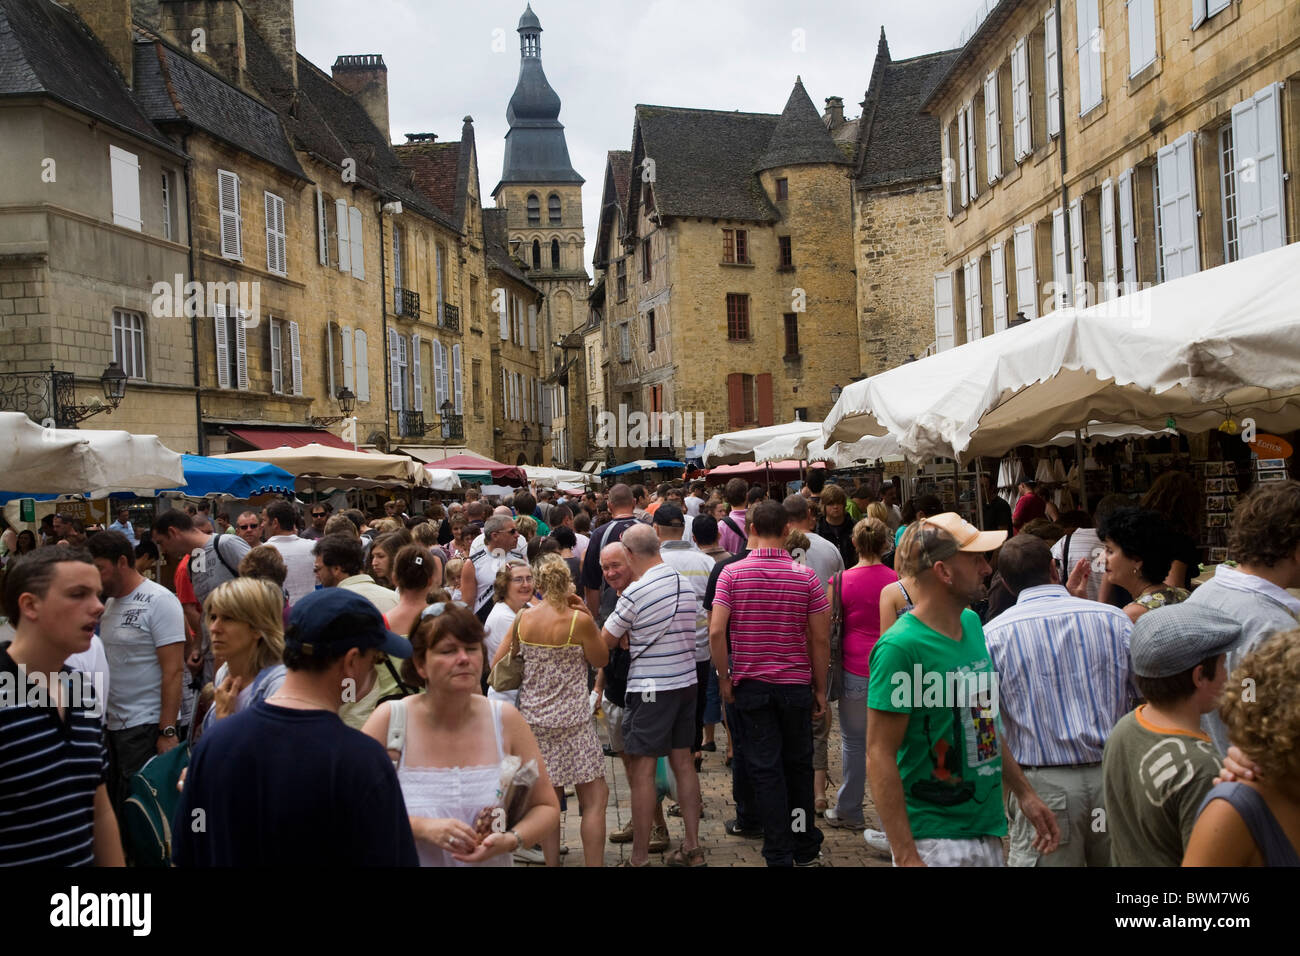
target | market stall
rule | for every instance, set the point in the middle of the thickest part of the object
(318, 467)
(94, 463)
(475, 468)
(730, 448)
(643, 464)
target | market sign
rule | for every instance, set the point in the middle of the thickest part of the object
(1270, 446)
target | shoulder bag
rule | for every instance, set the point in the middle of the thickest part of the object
(508, 673)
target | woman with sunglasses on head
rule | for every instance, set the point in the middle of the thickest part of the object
(415, 570)
(512, 590)
(448, 744)
(558, 639)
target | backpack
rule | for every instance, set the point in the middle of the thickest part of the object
(147, 812)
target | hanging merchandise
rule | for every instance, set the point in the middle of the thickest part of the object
(1044, 473)
(1058, 471)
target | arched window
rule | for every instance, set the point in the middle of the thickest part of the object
(534, 210)
(537, 254)
(555, 253)
(554, 207)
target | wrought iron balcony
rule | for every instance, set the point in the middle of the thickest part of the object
(453, 427)
(407, 303)
(410, 424)
(49, 398)
(450, 317)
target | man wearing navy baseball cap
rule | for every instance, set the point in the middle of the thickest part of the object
(285, 782)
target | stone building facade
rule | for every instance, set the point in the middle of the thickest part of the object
(1117, 145)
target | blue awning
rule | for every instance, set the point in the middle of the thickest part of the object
(233, 477)
(644, 464)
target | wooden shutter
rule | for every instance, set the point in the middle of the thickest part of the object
(1050, 56)
(505, 316)
(455, 376)
(277, 357)
(1022, 136)
(439, 373)
(947, 172)
(275, 234)
(992, 135)
(356, 235)
(1026, 271)
(764, 383)
(735, 401)
(345, 241)
(945, 336)
(219, 330)
(532, 327)
(241, 351)
(295, 357)
(972, 151)
(417, 372)
(1059, 266)
(1109, 263)
(1257, 142)
(349, 365)
(331, 358)
(124, 170)
(974, 305)
(1127, 233)
(361, 359)
(394, 372)
(1089, 53)
(397, 269)
(1141, 34)
(1077, 255)
(963, 156)
(1178, 220)
(322, 229)
(998, 285)
(228, 198)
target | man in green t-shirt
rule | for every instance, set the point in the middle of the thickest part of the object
(934, 754)
(1158, 763)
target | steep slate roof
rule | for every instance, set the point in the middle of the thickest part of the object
(39, 40)
(620, 164)
(497, 247)
(897, 142)
(613, 198)
(705, 161)
(173, 88)
(800, 136)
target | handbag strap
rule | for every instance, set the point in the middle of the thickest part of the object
(837, 602)
(397, 726)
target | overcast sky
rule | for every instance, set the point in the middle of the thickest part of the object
(451, 58)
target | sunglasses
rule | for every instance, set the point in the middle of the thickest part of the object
(249, 527)
(318, 514)
(433, 610)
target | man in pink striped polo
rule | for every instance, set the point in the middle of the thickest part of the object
(774, 669)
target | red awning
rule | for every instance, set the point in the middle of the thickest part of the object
(509, 474)
(264, 438)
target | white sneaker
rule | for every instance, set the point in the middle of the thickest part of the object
(526, 855)
(833, 819)
(877, 841)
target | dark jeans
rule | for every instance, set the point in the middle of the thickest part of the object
(128, 751)
(776, 722)
(702, 671)
(742, 792)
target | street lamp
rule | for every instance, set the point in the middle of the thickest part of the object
(526, 432)
(347, 402)
(113, 382)
(836, 392)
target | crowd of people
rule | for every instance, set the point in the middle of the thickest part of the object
(342, 688)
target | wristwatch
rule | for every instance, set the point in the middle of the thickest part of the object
(518, 842)
(167, 731)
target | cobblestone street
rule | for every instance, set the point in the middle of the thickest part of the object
(840, 848)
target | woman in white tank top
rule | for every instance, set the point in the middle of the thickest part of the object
(448, 744)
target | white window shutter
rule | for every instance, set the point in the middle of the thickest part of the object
(124, 171)
(241, 351)
(974, 309)
(972, 150)
(356, 233)
(277, 358)
(944, 315)
(349, 378)
(322, 229)
(456, 379)
(1051, 54)
(1059, 266)
(223, 344)
(437, 255)
(1109, 262)
(1022, 138)
(417, 372)
(295, 357)
(1141, 34)
(947, 172)
(998, 285)
(345, 241)
(1178, 220)
(1198, 13)
(361, 358)
(505, 317)
(397, 270)
(439, 364)
(228, 198)
(1026, 272)
(1078, 255)
(1127, 234)
(1257, 140)
(330, 381)
(275, 236)
(963, 156)
(394, 373)
(532, 327)
(505, 393)
(992, 135)
(1089, 51)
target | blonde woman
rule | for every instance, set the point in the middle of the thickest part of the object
(246, 621)
(558, 639)
(878, 511)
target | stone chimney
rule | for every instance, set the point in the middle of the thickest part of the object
(274, 21)
(365, 77)
(110, 21)
(833, 118)
(220, 44)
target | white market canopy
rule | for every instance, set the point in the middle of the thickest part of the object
(731, 448)
(323, 463)
(443, 479)
(1222, 341)
(39, 460)
(809, 445)
(554, 477)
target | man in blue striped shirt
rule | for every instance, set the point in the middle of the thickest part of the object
(1063, 682)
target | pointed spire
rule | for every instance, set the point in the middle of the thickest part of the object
(800, 135)
(882, 49)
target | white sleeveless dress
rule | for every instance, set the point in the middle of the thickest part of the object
(446, 792)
